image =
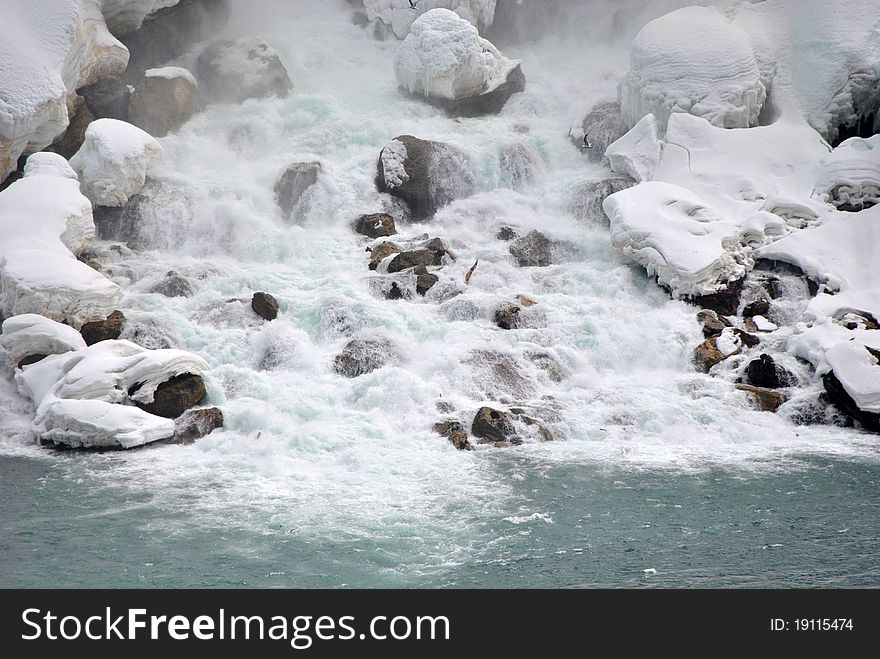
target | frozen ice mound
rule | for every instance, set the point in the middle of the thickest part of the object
(693, 60)
(399, 15)
(850, 175)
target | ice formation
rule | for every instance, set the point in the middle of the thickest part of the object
(50, 48)
(113, 161)
(850, 175)
(85, 397)
(444, 56)
(693, 60)
(29, 334)
(399, 15)
(44, 221)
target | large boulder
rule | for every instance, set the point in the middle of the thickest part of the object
(235, 71)
(294, 184)
(426, 175)
(163, 100)
(764, 372)
(853, 384)
(444, 61)
(29, 336)
(113, 161)
(532, 250)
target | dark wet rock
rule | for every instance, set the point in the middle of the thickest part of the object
(195, 424)
(587, 198)
(435, 245)
(507, 316)
(104, 330)
(841, 399)
(362, 356)
(70, 141)
(766, 373)
(532, 250)
(507, 234)
(425, 281)
(713, 324)
(602, 126)
(107, 99)
(767, 400)
(456, 433)
(378, 225)
(294, 183)
(173, 285)
(707, 354)
(171, 32)
(31, 359)
(175, 397)
(489, 102)
(161, 105)
(265, 305)
(235, 71)
(748, 340)
(382, 252)
(426, 175)
(395, 292)
(492, 426)
(725, 302)
(415, 258)
(756, 308)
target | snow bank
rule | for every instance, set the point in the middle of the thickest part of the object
(445, 57)
(82, 398)
(399, 15)
(113, 161)
(50, 48)
(125, 16)
(850, 175)
(693, 60)
(44, 221)
(29, 334)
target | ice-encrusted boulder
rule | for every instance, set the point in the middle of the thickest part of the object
(399, 15)
(89, 397)
(445, 61)
(164, 99)
(125, 16)
(426, 175)
(44, 222)
(30, 335)
(850, 175)
(50, 49)
(693, 60)
(113, 161)
(248, 67)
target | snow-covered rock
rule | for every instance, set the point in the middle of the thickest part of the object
(693, 60)
(125, 16)
(113, 161)
(44, 221)
(399, 14)
(164, 99)
(850, 175)
(445, 60)
(50, 49)
(637, 154)
(858, 370)
(28, 335)
(86, 398)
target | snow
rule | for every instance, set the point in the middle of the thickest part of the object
(637, 154)
(172, 72)
(693, 60)
(851, 173)
(30, 334)
(399, 15)
(82, 397)
(444, 56)
(393, 164)
(764, 325)
(50, 48)
(44, 221)
(113, 161)
(729, 342)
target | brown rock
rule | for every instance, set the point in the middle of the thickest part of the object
(415, 258)
(72, 139)
(532, 250)
(507, 316)
(195, 424)
(767, 400)
(706, 355)
(455, 433)
(103, 330)
(174, 397)
(713, 324)
(425, 282)
(161, 105)
(294, 183)
(382, 252)
(378, 225)
(491, 426)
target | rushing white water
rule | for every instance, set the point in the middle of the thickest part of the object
(306, 451)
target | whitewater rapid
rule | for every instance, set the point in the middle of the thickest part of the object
(308, 453)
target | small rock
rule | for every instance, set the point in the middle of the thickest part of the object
(707, 354)
(713, 324)
(173, 286)
(724, 302)
(435, 245)
(406, 260)
(748, 340)
(425, 282)
(265, 305)
(382, 252)
(378, 225)
(294, 183)
(195, 424)
(532, 250)
(767, 400)
(756, 308)
(174, 397)
(491, 426)
(455, 432)
(394, 293)
(507, 234)
(103, 330)
(507, 316)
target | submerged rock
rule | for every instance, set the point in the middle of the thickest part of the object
(587, 198)
(602, 126)
(456, 433)
(265, 305)
(532, 250)
(235, 71)
(382, 252)
(507, 316)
